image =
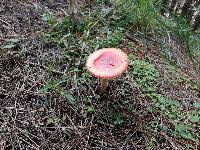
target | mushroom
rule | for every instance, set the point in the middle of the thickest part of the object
(105, 64)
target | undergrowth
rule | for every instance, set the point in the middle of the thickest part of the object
(145, 76)
(92, 31)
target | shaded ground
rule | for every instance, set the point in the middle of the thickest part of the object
(32, 119)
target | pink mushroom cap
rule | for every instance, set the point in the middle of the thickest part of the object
(107, 63)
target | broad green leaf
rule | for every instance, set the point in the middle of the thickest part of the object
(149, 109)
(12, 40)
(9, 46)
(188, 136)
(197, 105)
(180, 127)
(194, 118)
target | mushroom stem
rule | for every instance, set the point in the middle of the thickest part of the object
(104, 83)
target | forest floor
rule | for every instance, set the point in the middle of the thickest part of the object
(49, 101)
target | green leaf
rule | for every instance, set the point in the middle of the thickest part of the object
(9, 46)
(50, 120)
(180, 127)
(187, 135)
(52, 21)
(49, 19)
(118, 121)
(64, 117)
(89, 109)
(194, 118)
(69, 97)
(173, 102)
(197, 105)
(12, 40)
(149, 109)
(182, 131)
(44, 89)
(46, 17)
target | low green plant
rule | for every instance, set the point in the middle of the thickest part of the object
(88, 106)
(117, 119)
(50, 120)
(58, 29)
(10, 43)
(181, 130)
(89, 109)
(57, 87)
(151, 143)
(194, 115)
(145, 76)
(171, 109)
